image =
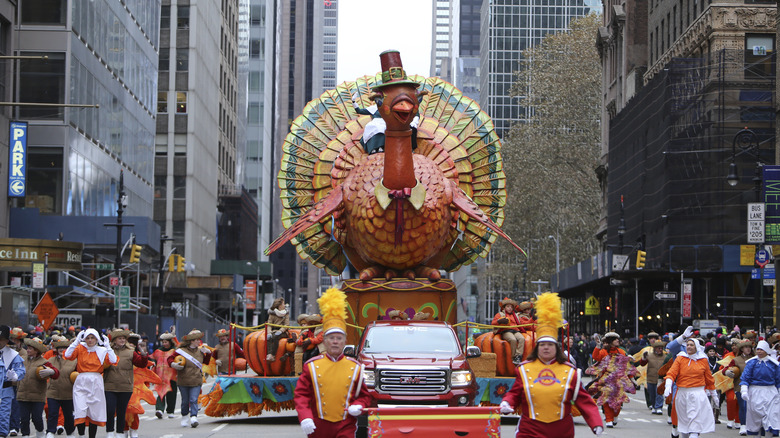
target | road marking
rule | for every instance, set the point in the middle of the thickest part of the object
(218, 428)
(172, 435)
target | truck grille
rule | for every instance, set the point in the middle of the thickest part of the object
(412, 382)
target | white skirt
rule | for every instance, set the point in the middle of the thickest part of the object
(89, 398)
(760, 408)
(694, 411)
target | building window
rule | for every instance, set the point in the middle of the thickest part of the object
(255, 48)
(165, 59)
(165, 17)
(162, 102)
(256, 17)
(255, 83)
(42, 81)
(179, 187)
(183, 17)
(758, 56)
(160, 186)
(182, 60)
(44, 11)
(181, 102)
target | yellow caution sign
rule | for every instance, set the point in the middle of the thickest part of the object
(592, 306)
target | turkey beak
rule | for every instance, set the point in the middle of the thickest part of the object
(403, 108)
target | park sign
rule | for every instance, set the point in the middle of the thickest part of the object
(17, 160)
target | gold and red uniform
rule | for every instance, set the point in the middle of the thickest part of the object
(325, 389)
(545, 394)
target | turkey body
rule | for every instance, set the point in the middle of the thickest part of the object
(370, 230)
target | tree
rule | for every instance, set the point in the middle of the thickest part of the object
(550, 158)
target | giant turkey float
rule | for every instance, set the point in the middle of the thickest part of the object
(402, 177)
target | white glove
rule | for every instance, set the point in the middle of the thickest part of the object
(278, 333)
(205, 350)
(743, 391)
(415, 122)
(177, 367)
(355, 410)
(505, 408)
(307, 425)
(81, 336)
(11, 376)
(598, 430)
(729, 373)
(668, 388)
(106, 342)
(46, 372)
(715, 398)
(218, 362)
(268, 336)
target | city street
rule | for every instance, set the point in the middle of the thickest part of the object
(635, 421)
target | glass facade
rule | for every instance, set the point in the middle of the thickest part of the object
(110, 67)
(511, 26)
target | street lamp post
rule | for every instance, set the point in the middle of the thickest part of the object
(748, 143)
(121, 202)
(557, 262)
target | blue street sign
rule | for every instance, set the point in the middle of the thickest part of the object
(769, 273)
(17, 160)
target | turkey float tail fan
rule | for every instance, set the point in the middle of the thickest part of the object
(318, 213)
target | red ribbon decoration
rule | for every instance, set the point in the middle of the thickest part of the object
(399, 195)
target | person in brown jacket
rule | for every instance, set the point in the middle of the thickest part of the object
(278, 314)
(654, 362)
(222, 354)
(188, 361)
(32, 389)
(59, 393)
(118, 380)
(734, 370)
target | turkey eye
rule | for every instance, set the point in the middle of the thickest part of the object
(378, 101)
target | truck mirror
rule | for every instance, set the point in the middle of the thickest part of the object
(472, 351)
(349, 350)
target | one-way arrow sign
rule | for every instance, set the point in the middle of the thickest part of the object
(664, 295)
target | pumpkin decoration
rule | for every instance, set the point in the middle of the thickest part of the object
(492, 343)
(73, 376)
(181, 360)
(240, 364)
(254, 350)
(38, 372)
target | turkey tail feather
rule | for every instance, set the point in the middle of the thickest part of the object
(472, 210)
(320, 211)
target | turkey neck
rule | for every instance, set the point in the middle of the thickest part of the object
(399, 165)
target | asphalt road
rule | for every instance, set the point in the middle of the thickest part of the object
(635, 421)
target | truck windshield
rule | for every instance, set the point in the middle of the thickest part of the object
(411, 339)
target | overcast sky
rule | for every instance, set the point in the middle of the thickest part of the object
(403, 25)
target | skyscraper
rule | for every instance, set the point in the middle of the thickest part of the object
(305, 63)
(509, 27)
(196, 123)
(441, 55)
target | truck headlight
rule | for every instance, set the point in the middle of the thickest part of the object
(368, 377)
(461, 378)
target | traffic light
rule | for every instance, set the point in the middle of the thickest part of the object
(172, 262)
(135, 253)
(180, 263)
(640, 259)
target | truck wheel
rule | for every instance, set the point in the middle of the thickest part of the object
(362, 427)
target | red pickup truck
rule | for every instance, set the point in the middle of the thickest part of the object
(415, 363)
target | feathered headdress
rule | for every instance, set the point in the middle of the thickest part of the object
(549, 317)
(333, 306)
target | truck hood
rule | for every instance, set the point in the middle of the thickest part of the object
(443, 360)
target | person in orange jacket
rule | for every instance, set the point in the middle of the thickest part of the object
(512, 333)
(609, 346)
(696, 395)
